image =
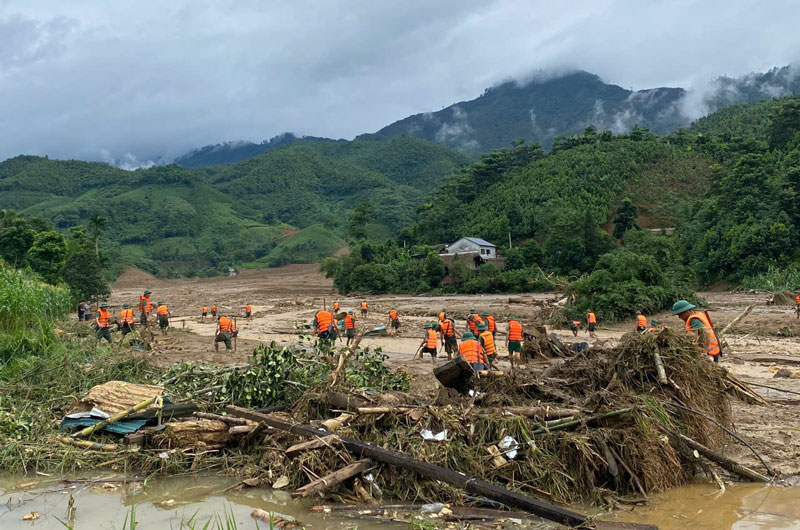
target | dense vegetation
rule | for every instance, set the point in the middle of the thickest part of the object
(288, 204)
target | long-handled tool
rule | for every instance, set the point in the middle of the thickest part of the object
(235, 334)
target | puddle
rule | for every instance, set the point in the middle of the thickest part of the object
(164, 503)
(741, 507)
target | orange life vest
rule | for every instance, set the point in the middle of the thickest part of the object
(431, 341)
(441, 316)
(225, 325)
(492, 323)
(363, 305)
(393, 314)
(488, 342)
(713, 343)
(103, 317)
(470, 350)
(205, 309)
(577, 323)
(336, 306)
(162, 310)
(447, 328)
(213, 308)
(324, 321)
(248, 309)
(126, 315)
(797, 299)
(473, 323)
(591, 318)
(514, 330)
(641, 321)
(144, 304)
(350, 322)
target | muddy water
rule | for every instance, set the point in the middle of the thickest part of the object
(741, 507)
(163, 503)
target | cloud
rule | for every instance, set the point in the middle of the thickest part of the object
(153, 80)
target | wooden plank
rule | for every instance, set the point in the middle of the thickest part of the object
(361, 449)
(328, 481)
(311, 445)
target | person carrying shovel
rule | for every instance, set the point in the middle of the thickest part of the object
(430, 342)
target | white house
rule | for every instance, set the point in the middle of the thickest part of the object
(473, 245)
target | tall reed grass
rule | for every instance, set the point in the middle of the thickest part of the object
(775, 279)
(28, 311)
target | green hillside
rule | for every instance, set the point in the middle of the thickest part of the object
(743, 119)
(170, 219)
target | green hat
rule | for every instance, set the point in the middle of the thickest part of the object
(103, 304)
(681, 306)
(483, 327)
(159, 303)
(654, 322)
(427, 325)
(147, 291)
(468, 336)
(638, 312)
(350, 313)
(485, 314)
(588, 310)
(472, 310)
(220, 315)
(126, 306)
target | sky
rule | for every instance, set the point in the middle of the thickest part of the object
(134, 83)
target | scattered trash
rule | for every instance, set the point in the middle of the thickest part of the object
(282, 482)
(31, 516)
(511, 446)
(427, 434)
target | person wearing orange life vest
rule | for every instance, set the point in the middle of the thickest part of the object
(103, 321)
(145, 307)
(324, 326)
(350, 326)
(574, 326)
(430, 342)
(698, 323)
(591, 323)
(226, 330)
(163, 317)
(514, 340)
(486, 338)
(248, 311)
(491, 323)
(473, 319)
(641, 322)
(394, 322)
(214, 310)
(447, 332)
(205, 312)
(335, 307)
(797, 304)
(126, 319)
(472, 351)
(364, 308)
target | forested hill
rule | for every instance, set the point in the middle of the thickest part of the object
(232, 152)
(543, 109)
(290, 204)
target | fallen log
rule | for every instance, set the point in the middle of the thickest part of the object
(311, 445)
(542, 413)
(360, 449)
(723, 461)
(332, 479)
(219, 417)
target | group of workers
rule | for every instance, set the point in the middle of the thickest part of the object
(326, 324)
(127, 319)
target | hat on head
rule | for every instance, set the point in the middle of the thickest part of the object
(680, 306)
(147, 291)
(103, 304)
(485, 314)
(654, 322)
(483, 327)
(159, 303)
(638, 312)
(350, 313)
(472, 311)
(468, 336)
(126, 306)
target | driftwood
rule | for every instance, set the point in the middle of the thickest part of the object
(662, 375)
(332, 479)
(337, 422)
(541, 413)
(311, 445)
(345, 401)
(226, 419)
(384, 410)
(87, 444)
(566, 422)
(493, 492)
(746, 390)
(237, 430)
(723, 461)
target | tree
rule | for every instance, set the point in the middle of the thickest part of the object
(363, 214)
(626, 218)
(97, 222)
(48, 254)
(459, 272)
(532, 253)
(785, 124)
(434, 269)
(15, 240)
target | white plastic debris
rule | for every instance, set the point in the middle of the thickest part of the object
(427, 434)
(474, 393)
(511, 446)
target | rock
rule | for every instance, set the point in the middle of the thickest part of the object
(784, 372)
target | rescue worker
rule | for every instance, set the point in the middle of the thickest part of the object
(364, 308)
(591, 323)
(653, 326)
(641, 322)
(225, 332)
(248, 311)
(473, 319)
(205, 312)
(80, 310)
(394, 322)
(514, 340)
(491, 323)
(103, 320)
(486, 338)
(698, 321)
(325, 326)
(574, 326)
(472, 352)
(87, 310)
(214, 310)
(797, 304)
(145, 307)
(126, 319)
(430, 342)
(350, 326)
(447, 332)
(335, 307)
(163, 317)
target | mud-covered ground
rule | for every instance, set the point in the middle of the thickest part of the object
(765, 341)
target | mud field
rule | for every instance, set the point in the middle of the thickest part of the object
(764, 342)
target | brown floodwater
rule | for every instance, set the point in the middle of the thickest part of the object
(169, 501)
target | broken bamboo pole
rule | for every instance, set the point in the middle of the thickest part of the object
(361, 449)
(736, 320)
(225, 419)
(311, 445)
(578, 421)
(113, 419)
(332, 479)
(723, 461)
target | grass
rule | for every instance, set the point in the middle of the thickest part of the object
(309, 245)
(775, 279)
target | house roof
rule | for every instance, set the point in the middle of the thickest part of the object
(479, 241)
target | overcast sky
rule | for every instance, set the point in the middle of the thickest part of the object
(148, 79)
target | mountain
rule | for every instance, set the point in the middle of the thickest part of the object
(542, 109)
(290, 203)
(231, 152)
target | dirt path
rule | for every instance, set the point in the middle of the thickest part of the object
(281, 298)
